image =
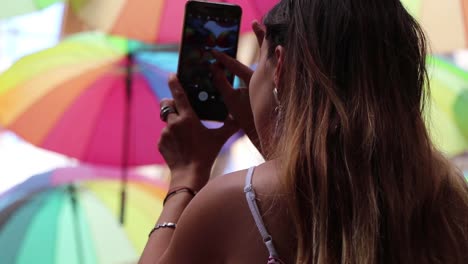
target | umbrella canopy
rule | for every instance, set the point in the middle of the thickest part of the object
(447, 110)
(69, 215)
(19, 7)
(92, 97)
(158, 21)
(445, 22)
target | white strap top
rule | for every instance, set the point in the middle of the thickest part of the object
(250, 195)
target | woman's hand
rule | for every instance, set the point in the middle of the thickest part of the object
(188, 147)
(237, 100)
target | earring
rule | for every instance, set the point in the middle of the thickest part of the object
(278, 103)
(278, 112)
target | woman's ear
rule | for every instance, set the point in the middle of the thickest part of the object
(279, 56)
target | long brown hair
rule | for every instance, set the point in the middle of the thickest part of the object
(366, 184)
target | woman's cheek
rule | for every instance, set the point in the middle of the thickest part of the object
(259, 100)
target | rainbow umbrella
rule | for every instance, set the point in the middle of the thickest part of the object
(447, 112)
(92, 97)
(444, 22)
(11, 8)
(69, 215)
(158, 21)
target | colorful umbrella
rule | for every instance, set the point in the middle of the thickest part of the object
(158, 21)
(18, 7)
(69, 215)
(92, 97)
(445, 22)
(447, 110)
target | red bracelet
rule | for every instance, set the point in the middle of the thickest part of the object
(177, 190)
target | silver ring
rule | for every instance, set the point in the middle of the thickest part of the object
(165, 111)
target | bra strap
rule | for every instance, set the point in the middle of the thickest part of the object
(251, 200)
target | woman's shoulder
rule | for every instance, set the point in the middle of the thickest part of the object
(228, 199)
(219, 215)
(265, 180)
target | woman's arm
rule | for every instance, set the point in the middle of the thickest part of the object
(160, 239)
(189, 149)
(205, 224)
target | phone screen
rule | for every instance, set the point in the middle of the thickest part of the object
(207, 26)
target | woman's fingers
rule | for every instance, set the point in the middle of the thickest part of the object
(221, 82)
(230, 95)
(234, 66)
(181, 101)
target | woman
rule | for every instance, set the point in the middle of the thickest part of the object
(351, 176)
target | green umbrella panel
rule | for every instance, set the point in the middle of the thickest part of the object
(11, 8)
(447, 109)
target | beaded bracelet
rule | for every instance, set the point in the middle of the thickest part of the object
(163, 225)
(177, 190)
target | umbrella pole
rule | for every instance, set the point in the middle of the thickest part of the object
(126, 135)
(76, 220)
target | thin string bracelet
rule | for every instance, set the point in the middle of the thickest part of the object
(163, 225)
(177, 190)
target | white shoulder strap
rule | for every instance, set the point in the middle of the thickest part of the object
(250, 195)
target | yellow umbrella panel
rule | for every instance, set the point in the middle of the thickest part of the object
(444, 21)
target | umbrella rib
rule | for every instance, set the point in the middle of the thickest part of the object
(154, 69)
(9, 211)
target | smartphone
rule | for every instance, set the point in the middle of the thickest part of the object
(207, 26)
